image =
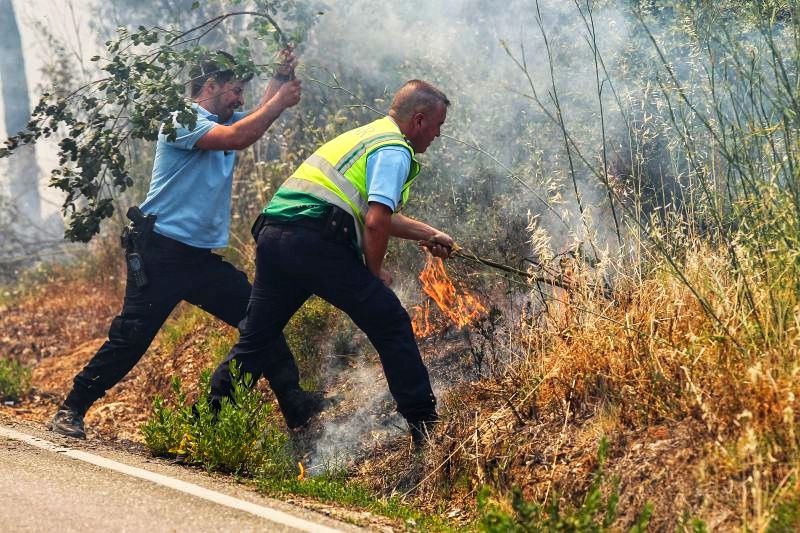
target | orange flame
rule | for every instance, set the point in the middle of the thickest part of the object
(421, 322)
(461, 309)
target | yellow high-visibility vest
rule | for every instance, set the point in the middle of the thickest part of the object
(337, 172)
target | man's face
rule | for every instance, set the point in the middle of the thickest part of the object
(228, 97)
(426, 127)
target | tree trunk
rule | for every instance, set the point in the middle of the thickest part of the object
(22, 184)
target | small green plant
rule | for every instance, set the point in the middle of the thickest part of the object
(241, 437)
(15, 379)
(785, 517)
(597, 513)
(165, 429)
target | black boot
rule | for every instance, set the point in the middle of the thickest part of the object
(421, 430)
(299, 406)
(69, 422)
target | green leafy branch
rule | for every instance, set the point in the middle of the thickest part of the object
(140, 93)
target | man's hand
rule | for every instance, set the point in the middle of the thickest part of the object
(439, 245)
(285, 69)
(288, 95)
(385, 277)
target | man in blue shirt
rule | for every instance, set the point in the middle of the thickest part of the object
(190, 196)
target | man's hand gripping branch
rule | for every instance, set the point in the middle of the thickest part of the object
(282, 92)
(381, 223)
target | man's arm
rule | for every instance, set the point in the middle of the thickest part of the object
(380, 224)
(248, 130)
(377, 228)
(439, 243)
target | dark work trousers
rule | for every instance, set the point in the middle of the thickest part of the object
(175, 272)
(292, 263)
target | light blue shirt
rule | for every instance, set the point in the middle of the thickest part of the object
(387, 172)
(190, 191)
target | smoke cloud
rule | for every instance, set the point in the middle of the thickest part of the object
(372, 421)
(459, 46)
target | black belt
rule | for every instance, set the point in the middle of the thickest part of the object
(337, 225)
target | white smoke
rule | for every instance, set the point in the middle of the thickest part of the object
(372, 421)
(458, 46)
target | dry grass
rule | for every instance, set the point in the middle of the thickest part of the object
(701, 424)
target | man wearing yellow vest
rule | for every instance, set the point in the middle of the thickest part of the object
(326, 231)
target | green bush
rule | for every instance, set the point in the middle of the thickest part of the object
(164, 431)
(15, 379)
(241, 437)
(597, 513)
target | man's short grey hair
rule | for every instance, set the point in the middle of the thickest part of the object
(417, 96)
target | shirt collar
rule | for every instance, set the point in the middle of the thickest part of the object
(202, 111)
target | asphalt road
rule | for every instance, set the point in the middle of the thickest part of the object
(49, 483)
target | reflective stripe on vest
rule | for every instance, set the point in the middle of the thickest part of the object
(328, 174)
(353, 196)
(350, 158)
(327, 195)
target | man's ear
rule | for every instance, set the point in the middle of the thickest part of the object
(418, 118)
(210, 84)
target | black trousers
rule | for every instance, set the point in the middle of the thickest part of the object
(175, 272)
(292, 263)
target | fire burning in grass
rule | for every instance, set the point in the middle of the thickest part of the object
(460, 308)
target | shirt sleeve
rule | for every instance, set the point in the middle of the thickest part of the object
(186, 139)
(387, 171)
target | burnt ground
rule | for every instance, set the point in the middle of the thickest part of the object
(479, 441)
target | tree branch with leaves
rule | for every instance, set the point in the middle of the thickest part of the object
(139, 92)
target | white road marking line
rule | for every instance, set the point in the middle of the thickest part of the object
(278, 517)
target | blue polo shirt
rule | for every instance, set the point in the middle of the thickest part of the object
(387, 170)
(190, 191)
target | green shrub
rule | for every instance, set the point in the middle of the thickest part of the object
(241, 437)
(597, 513)
(15, 379)
(164, 431)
